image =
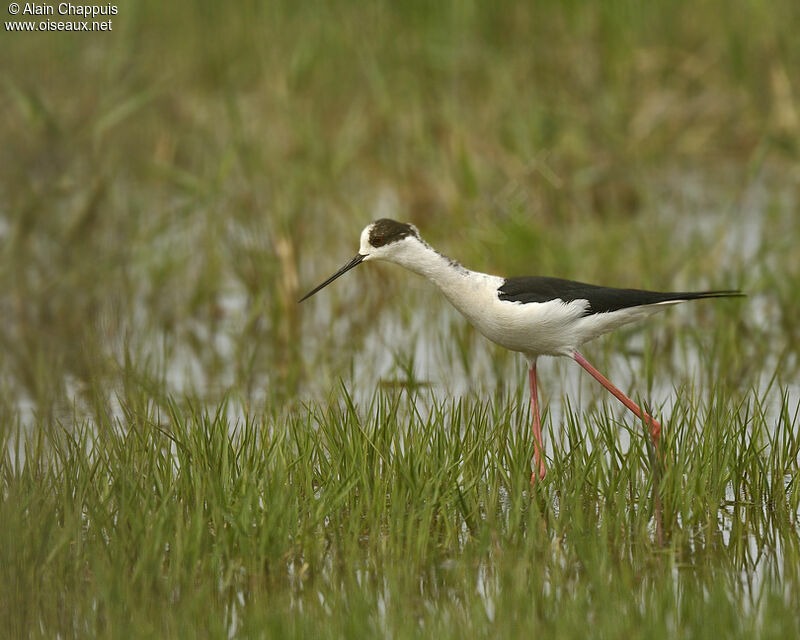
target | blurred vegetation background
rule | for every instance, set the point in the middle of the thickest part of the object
(171, 188)
(187, 448)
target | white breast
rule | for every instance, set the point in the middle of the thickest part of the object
(554, 328)
(538, 328)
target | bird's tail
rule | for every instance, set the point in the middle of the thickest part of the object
(696, 295)
(681, 296)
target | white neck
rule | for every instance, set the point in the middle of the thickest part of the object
(421, 258)
(471, 292)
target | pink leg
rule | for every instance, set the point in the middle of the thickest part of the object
(538, 449)
(655, 427)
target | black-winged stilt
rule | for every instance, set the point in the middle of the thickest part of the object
(536, 316)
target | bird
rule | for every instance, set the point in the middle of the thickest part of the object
(533, 315)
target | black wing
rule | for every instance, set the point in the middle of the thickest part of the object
(601, 299)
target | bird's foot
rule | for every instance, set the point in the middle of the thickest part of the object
(538, 475)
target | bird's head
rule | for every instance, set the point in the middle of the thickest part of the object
(383, 239)
(386, 239)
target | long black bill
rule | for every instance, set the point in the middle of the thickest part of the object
(353, 263)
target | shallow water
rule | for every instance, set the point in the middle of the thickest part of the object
(416, 339)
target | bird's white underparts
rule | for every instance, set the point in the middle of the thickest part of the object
(536, 316)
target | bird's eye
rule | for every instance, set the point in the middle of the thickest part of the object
(378, 241)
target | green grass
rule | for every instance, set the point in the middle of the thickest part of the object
(188, 452)
(387, 519)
